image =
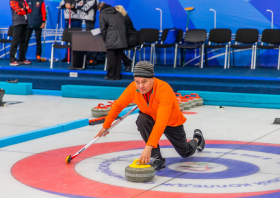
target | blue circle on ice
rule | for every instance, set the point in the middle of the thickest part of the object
(206, 168)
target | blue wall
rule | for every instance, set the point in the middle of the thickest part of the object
(233, 14)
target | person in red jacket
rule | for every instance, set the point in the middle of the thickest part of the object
(159, 114)
(19, 10)
(36, 22)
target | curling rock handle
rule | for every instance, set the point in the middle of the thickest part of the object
(139, 173)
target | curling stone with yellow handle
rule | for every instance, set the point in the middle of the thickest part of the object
(137, 172)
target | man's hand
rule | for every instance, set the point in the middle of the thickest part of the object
(101, 132)
(146, 155)
(43, 25)
(67, 5)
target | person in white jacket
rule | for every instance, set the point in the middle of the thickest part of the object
(75, 17)
(88, 12)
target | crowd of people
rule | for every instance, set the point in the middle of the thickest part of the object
(116, 28)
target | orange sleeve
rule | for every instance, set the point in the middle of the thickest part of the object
(43, 10)
(163, 114)
(123, 101)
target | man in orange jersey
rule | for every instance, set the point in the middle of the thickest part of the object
(159, 113)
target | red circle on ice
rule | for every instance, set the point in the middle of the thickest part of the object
(48, 171)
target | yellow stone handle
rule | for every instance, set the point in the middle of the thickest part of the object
(136, 164)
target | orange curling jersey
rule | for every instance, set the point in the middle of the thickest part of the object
(163, 107)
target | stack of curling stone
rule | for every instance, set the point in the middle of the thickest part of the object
(187, 103)
(181, 106)
(191, 99)
(184, 102)
(100, 110)
(137, 172)
(199, 100)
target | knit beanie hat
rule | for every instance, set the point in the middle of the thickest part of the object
(144, 69)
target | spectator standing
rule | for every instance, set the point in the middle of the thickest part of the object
(130, 35)
(112, 27)
(88, 13)
(36, 21)
(75, 17)
(19, 10)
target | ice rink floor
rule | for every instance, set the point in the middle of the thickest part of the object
(241, 158)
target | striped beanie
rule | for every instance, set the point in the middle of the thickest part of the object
(144, 69)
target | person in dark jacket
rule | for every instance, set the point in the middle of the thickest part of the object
(19, 10)
(130, 35)
(36, 21)
(112, 27)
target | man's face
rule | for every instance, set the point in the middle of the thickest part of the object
(144, 85)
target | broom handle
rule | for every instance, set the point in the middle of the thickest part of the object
(112, 126)
(57, 24)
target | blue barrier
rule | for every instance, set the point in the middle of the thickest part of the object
(17, 88)
(237, 99)
(23, 137)
(26, 136)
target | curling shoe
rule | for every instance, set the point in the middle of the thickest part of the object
(158, 163)
(201, 143)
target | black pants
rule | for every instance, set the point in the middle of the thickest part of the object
(126, 60)
(176, 135)
(38, 34)
(114, 58)
(89, 25)
(19, 38)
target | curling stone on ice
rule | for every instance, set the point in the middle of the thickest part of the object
(178, 96)
(100, 110)
(185, 101)
(110, 103)
(181, 106)
(193, 101)
(199, 100)
(137, 172)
